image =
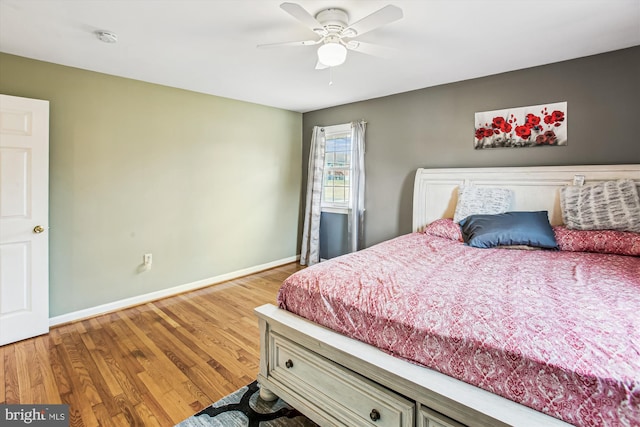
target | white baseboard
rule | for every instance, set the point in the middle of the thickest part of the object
(152, 296)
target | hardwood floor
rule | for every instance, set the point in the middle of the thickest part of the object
(150, 365)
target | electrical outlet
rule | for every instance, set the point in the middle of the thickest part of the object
(147, 260)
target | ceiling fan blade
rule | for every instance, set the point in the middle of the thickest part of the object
(321, 66)
(301, 15)
(371, 49)
(381, 17)
(300, 43)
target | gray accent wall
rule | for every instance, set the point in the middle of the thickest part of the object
(434, 128)
(334, 239)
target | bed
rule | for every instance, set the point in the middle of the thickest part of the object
(538, 337)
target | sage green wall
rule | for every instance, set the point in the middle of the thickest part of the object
(208, 185)
(434, 127)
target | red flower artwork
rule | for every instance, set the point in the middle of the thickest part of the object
(522, 127)
(532, 120)
(498, 122)
(523, 132)
(506, 127)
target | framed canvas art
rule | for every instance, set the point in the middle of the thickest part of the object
(533, 126)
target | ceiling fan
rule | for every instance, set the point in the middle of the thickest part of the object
(336, 34)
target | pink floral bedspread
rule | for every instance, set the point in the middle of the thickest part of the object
(556, 331)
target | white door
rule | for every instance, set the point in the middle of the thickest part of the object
(24, 218)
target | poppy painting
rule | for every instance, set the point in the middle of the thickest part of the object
(535, 126)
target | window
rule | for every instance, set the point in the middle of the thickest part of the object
(336, 185)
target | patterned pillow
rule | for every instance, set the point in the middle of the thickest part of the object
(445, 228)
(602, 241)
(609, 205)
(481, 201)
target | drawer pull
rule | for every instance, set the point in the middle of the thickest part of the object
(374, 415)
(288, 364)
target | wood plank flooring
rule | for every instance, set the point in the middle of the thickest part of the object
(150, 365)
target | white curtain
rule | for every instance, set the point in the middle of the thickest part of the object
(356, 213)
(310, 252)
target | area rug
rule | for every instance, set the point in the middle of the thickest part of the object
(244, 408)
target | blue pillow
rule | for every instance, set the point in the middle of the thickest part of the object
(508, 229)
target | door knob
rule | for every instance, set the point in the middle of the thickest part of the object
(38, 229)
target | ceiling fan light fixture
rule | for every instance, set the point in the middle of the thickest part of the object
(332, 54)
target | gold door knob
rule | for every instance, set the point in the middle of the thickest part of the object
(38, 229)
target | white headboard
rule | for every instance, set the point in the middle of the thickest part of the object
(535, 188)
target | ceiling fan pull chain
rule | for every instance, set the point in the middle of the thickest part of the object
(330, 76)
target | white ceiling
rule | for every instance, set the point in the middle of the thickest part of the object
(209, 46)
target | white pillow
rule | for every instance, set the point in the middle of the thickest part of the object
(608, 205)
(481, 201)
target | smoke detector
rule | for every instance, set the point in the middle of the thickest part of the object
(107, 36)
